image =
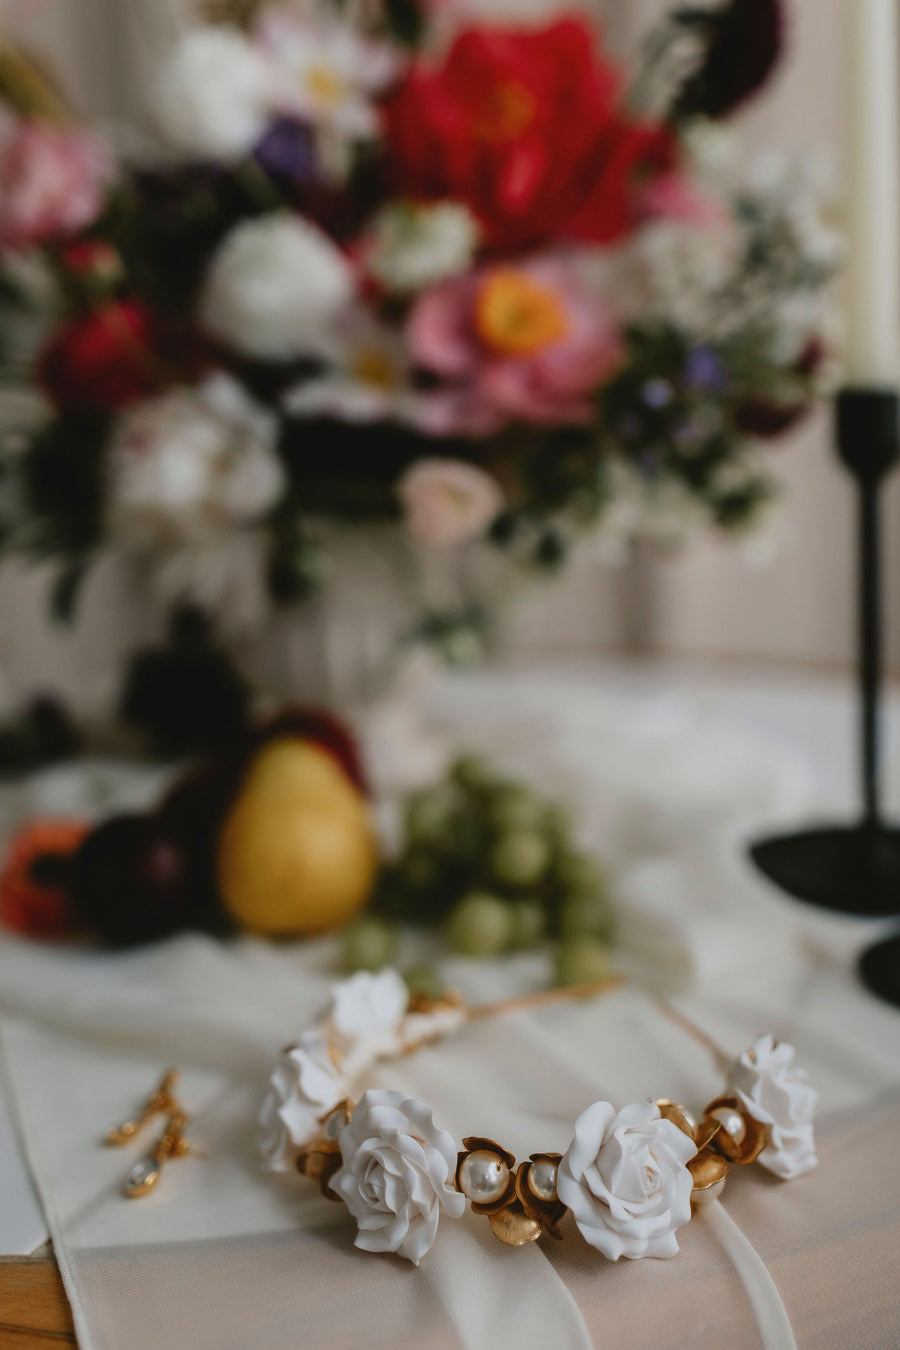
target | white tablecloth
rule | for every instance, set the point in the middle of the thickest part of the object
(669, 776)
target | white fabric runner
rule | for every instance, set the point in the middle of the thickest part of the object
(221, 1256)
(771, 1315)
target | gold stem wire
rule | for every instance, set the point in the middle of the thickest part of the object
(544, 997)
(684, 1023)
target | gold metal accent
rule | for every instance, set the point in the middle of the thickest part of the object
(320, 1162)
(677, 1115)
(423, 1003)
(144, 1176)
(162, 1099)
(706, 1132)
(679, 1019)
(547, 1213)
(514, 1227)
(753, 1142)
(706, 1169)
(545, 996)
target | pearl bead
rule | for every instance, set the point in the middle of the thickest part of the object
(542, 1180)
(483, 1177)
(335, 1122)
(732, 1122)
(711, 1193)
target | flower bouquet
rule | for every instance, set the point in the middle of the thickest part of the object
(383, 261)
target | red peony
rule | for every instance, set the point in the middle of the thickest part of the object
(525, 127)
(34, 896)
(105, 360)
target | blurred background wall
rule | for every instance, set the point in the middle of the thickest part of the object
(708, 602)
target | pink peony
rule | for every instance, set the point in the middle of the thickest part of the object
(448, 502)
(513, 342)
(52, 182)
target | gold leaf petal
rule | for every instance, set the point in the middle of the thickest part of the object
(677, 1115)
(706, 1169)
(514, 1228)
(754, 1141)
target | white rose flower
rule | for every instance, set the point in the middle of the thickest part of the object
(212, 97)
(397, 1175)
(274, 288)
(447, 502)
(414, 246)
(189, 465)
(777, 1095)
(304, 1086)
(626, 1181)
(365, 1017)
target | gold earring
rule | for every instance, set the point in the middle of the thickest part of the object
(144, 1176)
(160, 1100)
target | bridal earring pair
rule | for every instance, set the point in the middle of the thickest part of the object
(171, 1143)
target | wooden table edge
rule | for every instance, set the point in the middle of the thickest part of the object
(34, 1310)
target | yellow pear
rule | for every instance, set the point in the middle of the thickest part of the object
(297, 852)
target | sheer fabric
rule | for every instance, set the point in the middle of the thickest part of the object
(224, 1256)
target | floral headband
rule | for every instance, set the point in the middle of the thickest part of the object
(631, 1178)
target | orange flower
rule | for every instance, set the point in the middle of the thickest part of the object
(33, 894)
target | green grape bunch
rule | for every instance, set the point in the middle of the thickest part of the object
(493, 868)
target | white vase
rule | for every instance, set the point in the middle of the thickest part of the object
(343, 650)
(82, 663)
(348, 649)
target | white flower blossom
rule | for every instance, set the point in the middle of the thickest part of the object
(672, 270)
(190, 476)
(326, 73)
(414, 246)
(365, 1016)
(366, 378)
(397, 1175)
(212, 99)
(773, 1092)
(274, 288)
(190, 464)
(626, 1181)
(304, 1086)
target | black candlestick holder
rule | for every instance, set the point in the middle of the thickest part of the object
(855, 869)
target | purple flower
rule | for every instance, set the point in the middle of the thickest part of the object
(286, 151)
(657, 394)
(704, 370)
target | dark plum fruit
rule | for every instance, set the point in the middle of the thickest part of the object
(133, 881)
(196, 804)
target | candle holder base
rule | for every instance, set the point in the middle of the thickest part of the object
(849, 870)
(879, 970)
